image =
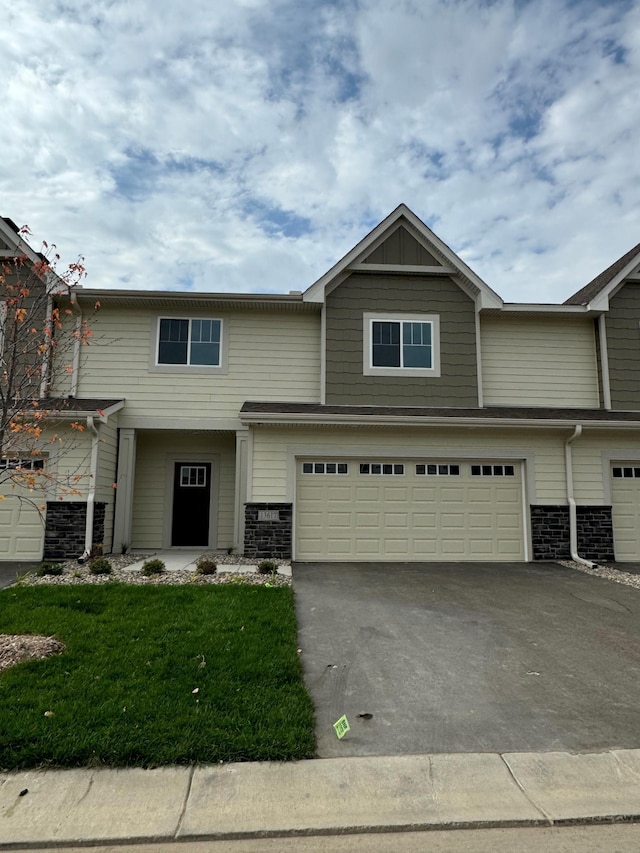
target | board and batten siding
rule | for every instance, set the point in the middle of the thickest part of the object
(539, 362)
(271, 356)
(154, 482)
(272, 481)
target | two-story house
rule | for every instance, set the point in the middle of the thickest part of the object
(396, 410)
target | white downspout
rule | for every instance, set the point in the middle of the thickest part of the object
(46, 363)
(573, 516)
(91, 497)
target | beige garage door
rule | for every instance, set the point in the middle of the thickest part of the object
(625, 499)
(361, 509)
(21, 530)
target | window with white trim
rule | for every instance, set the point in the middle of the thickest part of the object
(438, 470)
(11, 463)
(189, 341)
(384, 468)
(493, 471)
(401, 344)
(325, 468)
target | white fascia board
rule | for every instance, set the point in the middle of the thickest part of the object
(315, 293)
(74, 414)
(405, 269)
(535, 308)
(269, 419)
(601, 301)
(182, 424)
(487, 299)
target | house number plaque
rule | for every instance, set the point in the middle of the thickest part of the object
(268, 515)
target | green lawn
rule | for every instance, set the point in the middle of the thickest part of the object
(154, 676)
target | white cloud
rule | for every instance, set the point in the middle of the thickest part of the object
(248, 145)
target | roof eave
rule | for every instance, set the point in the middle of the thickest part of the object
(294, 419)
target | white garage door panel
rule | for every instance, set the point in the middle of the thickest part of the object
(21, 530)
(409, 516)
(625, 498)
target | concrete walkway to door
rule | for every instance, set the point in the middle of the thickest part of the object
(468, 657)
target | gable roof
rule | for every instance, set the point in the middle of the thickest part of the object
(362, 255)
(606, 281)
(13, 245)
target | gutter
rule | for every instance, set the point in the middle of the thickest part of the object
(91, 497)
(317, 419)
(573, 516)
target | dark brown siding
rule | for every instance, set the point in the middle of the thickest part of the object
(401, 248)
(596, 331)
(623, 345)
(345, 383)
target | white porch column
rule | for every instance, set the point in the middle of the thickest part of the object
(242, 455)
(124, 491)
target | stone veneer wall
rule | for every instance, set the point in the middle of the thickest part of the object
(550, 532)
(268, 539)
(65, 529)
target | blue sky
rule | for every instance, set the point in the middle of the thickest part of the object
(247, 145)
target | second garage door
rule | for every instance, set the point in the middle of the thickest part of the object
(625, 497)
(368, 509)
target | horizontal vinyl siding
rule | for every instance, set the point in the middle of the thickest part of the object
(72, 460)
(547, 362)
(152, 483)
(271, 480)
(589, 475)
(270, 357)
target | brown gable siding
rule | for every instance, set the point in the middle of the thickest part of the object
(623, 345)
(345, 383)
(401, 248)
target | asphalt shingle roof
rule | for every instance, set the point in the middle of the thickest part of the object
(596, 285)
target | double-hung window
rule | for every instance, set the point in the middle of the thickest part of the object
(189, 342)
(401, 345)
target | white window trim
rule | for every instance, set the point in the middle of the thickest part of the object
(368, 369)
(159, 367)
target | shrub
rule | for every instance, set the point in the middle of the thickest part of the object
(206, 566)
(49, 569)
(152, 567)
(101, 566)
(266, 567)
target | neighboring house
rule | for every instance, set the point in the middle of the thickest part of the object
(397, 410)
(45, 470)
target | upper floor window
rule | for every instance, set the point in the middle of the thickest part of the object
(401, 345)
(190, 342)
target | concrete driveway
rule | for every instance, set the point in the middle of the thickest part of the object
(471, 657)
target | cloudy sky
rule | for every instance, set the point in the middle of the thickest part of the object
(246, 145)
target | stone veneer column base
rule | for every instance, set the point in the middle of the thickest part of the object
(550, 533)
(65, 529)
(268, 539)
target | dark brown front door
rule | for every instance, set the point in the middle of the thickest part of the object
(191, 503)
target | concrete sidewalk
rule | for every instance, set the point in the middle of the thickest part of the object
(322, 796)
